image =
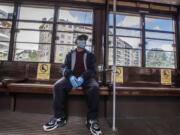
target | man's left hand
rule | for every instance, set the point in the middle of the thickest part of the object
(80, 81)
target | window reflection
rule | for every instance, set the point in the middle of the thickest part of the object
(75, 16)
(34, 34)
(160, 59)
(6, 12)
(160, 42)
(36, 13)
(128, 40)
(159, 23)
(71, 23)
(125, 20)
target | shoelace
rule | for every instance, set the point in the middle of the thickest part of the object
(53, 120)
(95, 124)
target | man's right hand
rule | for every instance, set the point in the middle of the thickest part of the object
(73, 81)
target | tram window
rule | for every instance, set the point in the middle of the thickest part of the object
(6, 12)
(160, 42)
(71, 23)
(33, 34)
(125, 20)
(128, 40)
(36, 13)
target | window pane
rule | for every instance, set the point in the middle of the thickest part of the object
(125, 32)
(75, 16)
(36, 26)
(125, 20)
(32, 52)
(5, 24)
(6, 12)
(39, 14)
(33, 36)
(71, 23)
(65, 38)
(4, 48)
(160, 35)
(131, 42)
(125, 57)
(61, 51)
(44, 52)
(125, 42)
(160, 45)
(5, 34)
(158, 23)
(160, 59)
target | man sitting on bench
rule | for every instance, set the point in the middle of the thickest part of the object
(78, 71)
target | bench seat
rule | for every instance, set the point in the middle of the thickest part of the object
(147, 91)
(39, 88)
(44, 89)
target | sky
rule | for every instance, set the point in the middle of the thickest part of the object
(38, 14)
(151, 23)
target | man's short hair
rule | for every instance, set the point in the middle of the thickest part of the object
(82, 37)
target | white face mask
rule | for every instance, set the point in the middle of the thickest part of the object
(81, 43)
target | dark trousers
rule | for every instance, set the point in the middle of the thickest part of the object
(61, 89)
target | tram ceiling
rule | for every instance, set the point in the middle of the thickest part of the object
(170, 2)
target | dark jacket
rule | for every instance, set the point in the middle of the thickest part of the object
(89, 64)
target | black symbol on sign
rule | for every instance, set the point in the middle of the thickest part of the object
(166, 74)
(44, 68)
(118, 71)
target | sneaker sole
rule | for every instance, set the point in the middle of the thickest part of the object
(45, 129)
(92, 133)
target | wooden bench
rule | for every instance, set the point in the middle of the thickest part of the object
(1, 87)
(39, 88)
(45, 89)
(147, 91)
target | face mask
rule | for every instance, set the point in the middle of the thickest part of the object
(81, 43)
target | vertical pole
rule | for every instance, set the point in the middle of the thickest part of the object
(143, 41)
(114, 66)
(53, 42)
(177, 31)
(12, 46)
(106, 39)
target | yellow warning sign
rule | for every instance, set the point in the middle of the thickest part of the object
(166, 77)
(43, 71)
(119, 75)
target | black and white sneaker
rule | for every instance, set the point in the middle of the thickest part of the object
(54, 123)
(94, 127)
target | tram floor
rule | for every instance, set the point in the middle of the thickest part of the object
(18, 123)
(149, 126)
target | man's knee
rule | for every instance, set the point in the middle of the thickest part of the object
(60, 84)
(93, 90)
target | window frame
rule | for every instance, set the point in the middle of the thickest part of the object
(128, 28)
(10, 29)
(18, 20)
(143, 35)
(58, 23)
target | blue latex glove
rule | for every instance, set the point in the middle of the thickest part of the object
(73, 81)
(80, 81)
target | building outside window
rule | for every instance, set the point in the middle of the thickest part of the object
(160, 42)
(6, 16)
(71, 23)
(33, 34)
(160, 46)
(128, 39)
